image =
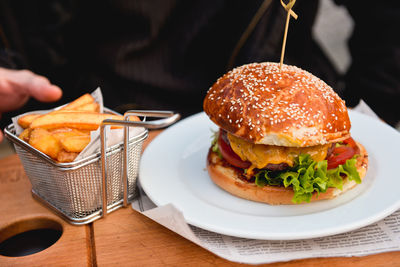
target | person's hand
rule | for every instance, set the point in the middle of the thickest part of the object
(17, 86)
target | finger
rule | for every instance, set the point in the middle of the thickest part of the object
(41, 89)
(1, 133)
(24, 83)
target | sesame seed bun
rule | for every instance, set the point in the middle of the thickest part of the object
(265, 105)
(230, 179)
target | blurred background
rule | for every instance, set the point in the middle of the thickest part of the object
(331, 31)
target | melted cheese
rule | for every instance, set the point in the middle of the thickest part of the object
(261, 155)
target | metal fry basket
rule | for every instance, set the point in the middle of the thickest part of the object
(86, 190)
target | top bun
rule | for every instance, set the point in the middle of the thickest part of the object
(265, 105)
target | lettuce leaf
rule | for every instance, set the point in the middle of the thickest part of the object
(214, 143)
(308, 176)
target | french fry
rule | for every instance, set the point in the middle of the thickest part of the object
(82, 100)
(65, 156)
(72, 119)
(44, 141)
(84, 103)
(61, 133)
(25, 120)
(25, 134)
(92, 107)
(77, 119)
(75, 143)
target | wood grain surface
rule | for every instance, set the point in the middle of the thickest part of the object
(124, 238)
(18, 208)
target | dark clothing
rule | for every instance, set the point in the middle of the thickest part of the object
(374, 74)
(166, 54)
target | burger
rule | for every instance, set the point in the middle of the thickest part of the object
(283, 138)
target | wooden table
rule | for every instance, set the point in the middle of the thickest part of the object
(124, 238)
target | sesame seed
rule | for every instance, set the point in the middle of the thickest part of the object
(271, 94)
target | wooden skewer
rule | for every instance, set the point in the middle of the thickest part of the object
(288, 8)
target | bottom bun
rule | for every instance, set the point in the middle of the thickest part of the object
(230, 179)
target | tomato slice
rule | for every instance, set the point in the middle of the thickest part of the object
(350, 141)
(342, 153)
(228, 154)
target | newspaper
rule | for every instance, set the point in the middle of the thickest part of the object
(383, 236)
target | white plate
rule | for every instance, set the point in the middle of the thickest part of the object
(173, 170)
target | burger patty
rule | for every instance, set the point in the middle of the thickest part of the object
(277, 167)
(330, 150)
(273, 157)
(283, 166)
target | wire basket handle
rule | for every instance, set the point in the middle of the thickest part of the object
(168, 118)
